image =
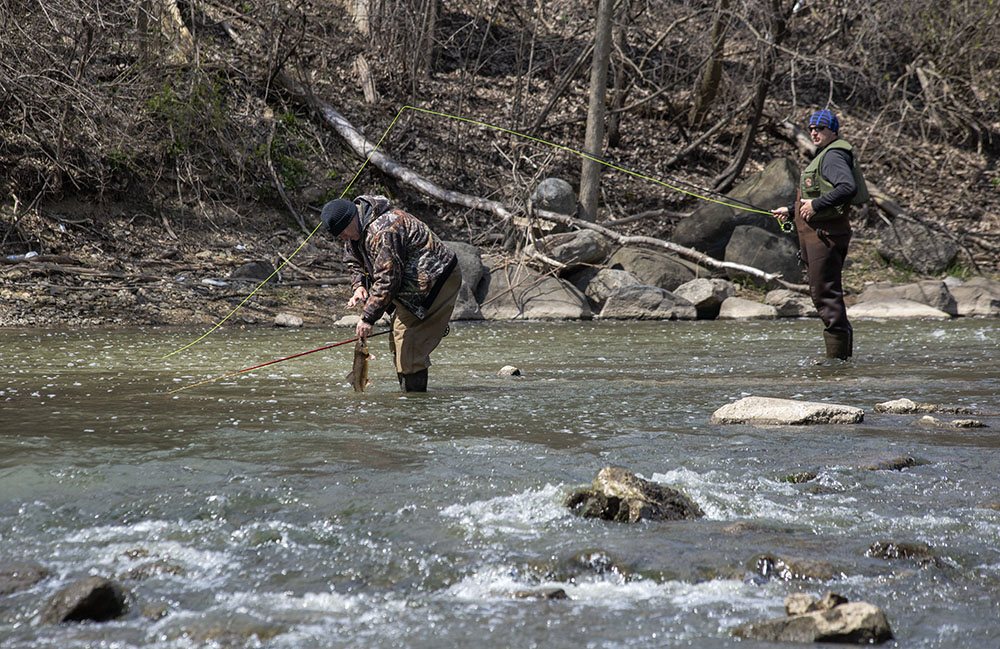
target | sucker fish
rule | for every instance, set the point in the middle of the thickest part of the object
(358, 376)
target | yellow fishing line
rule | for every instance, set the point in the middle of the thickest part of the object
(477, 123)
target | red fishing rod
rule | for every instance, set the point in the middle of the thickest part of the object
(280, 360)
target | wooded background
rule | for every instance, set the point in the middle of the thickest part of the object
(200, 111)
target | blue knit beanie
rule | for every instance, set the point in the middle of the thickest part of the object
(337, 215)
(824, 118)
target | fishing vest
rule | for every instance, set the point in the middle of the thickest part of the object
(813, 184)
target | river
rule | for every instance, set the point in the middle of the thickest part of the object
(278, 508)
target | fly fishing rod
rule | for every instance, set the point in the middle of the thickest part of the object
(280, 360)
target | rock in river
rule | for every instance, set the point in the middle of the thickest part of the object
(619, 495)
(831, 619)
(770, 411)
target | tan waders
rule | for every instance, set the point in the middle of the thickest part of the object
(413, 339)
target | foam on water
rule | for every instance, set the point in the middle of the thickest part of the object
(526, 514)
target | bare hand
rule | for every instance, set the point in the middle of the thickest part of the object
(806, 209)
(363, 329)
(780, 213)
(360, 297)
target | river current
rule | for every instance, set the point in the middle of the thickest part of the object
(278, 508)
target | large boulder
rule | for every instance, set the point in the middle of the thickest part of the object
(515, 292)
(979, 296)
(619, 495)
(738, 308)
(93, 598)
(606, 282)
(894, 308)
(932, 292)
(772, 411)
(470, 262)
(831, 619)
(710, 227)
(758, 248)
(573, 248)
(554, 195)
(707, 295)
(551, 195)
(647, 303)
(790, 304)
(912, 244)
(654, 268)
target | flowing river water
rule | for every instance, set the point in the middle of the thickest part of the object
(280, 509)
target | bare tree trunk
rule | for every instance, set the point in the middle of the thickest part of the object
(360, 12)
(775, 27)
(620, 88)
(590, 174)
(167, 15)
(426, 59)
(708, 83)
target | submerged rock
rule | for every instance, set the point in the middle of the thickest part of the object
(94, 598)
(17, 576)
(792, 568)
(619, 495)
(771, 411)
(908, 406)
(830, 619)
(289, 320)
(894, 463)
(544, 593)
(896, 550)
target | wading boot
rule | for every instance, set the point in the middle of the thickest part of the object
(416, 382)
(839, 344)
(399, 377)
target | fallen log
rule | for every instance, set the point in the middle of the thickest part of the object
(366, 149)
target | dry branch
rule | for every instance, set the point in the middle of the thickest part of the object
(688, 253)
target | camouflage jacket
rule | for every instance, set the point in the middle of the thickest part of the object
(398, 259)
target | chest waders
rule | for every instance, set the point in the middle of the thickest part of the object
(823, 246)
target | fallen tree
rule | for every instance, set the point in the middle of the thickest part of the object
(368, 150)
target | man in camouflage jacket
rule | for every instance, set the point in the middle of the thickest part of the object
(399, 266)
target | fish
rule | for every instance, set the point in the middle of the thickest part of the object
(358, 377)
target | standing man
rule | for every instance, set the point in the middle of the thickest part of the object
(821, 213)
(397, 266)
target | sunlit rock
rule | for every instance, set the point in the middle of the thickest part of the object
(289, 320)
(772, 411)
(619, 495)
(707, 295)
(908, 406)
(646, 303)
(790, 304)
(605, 283)
(509, 370)
(895, 308)
(842, 621)
(738, 308)
(516, 292)
(801, 603)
